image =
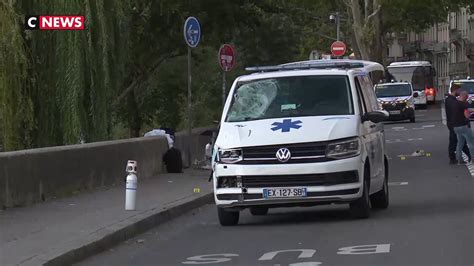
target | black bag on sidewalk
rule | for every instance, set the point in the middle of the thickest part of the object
(173, 161)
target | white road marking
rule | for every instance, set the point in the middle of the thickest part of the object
(419, 115)
(309, 263)
(399, 140)
(398, 183)
(304, 253)
(396, 128)
(209, 259)
(366, 249)
(394, 141)
(427, 126)
(418, 128)
(443, 114)
(469, 165)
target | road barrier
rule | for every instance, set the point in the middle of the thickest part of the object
(36, 175)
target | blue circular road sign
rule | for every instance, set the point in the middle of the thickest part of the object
(192, 32)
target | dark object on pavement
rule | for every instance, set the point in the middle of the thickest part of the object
(173, 161)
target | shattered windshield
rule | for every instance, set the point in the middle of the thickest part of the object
(290, 97)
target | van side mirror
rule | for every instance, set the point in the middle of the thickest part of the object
(415, 94)
(375, 116)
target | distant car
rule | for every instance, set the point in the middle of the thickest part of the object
(466, 85)
(398, 99)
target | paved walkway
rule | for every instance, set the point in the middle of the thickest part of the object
(39, 234)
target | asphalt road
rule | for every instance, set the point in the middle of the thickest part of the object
(430, 220)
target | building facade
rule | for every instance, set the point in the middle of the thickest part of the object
(448, 46)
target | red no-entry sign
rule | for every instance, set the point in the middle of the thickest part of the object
(338, 48)
(226, 57)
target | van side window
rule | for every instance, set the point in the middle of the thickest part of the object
(362, 105)
(369, 93)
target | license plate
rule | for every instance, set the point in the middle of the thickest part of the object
(284, 192)
(394, 112)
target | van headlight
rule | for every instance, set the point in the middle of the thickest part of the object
(343, 149)
(230, 155)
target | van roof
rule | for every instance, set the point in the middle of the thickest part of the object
(409, 63)
(392, 83)
(305, 72)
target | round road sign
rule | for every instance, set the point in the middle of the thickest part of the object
(192, 32)
(338, 48)
(226, 57)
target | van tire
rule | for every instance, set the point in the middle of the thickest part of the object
(360, 208)
(380, 200)
(228, 218)
(412, 120)
(258, 211)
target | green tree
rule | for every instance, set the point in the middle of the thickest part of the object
(372, 19)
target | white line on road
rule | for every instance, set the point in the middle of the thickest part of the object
(443, 114)
(427, 126)
(398, 183)
(397, 128)
(469, 165)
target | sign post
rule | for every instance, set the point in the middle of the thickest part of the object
(192, 36)
(338, 48)
(226, 58)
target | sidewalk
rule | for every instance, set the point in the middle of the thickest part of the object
(66, 230)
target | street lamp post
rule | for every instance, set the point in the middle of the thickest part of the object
(336, 18)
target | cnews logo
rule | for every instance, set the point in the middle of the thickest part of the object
(54, 22)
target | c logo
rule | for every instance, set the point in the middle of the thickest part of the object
(31, 22)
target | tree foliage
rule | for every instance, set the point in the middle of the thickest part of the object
(127, 71)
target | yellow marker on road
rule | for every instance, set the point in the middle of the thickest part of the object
(197, 190)
(403, 158)
(428, 154)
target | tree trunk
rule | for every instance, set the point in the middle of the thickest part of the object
(378, 44)
(134, 118)
(365, 32)
(357, 27)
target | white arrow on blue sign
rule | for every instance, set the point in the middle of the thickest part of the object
(192, 32)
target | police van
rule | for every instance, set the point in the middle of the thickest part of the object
(398, 99)
(466, 85)
(300, 135)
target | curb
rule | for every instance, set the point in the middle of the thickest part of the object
(131, 230)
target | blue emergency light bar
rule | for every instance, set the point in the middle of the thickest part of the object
(303, 66)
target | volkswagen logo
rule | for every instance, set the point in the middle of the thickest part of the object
(283, 155)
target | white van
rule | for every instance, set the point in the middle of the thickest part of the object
(300, 135)
(398, 99)
(466, 85)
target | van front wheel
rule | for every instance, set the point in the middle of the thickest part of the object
(360, 208)
(227, 218)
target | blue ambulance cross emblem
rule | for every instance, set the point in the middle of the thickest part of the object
(286, 125)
